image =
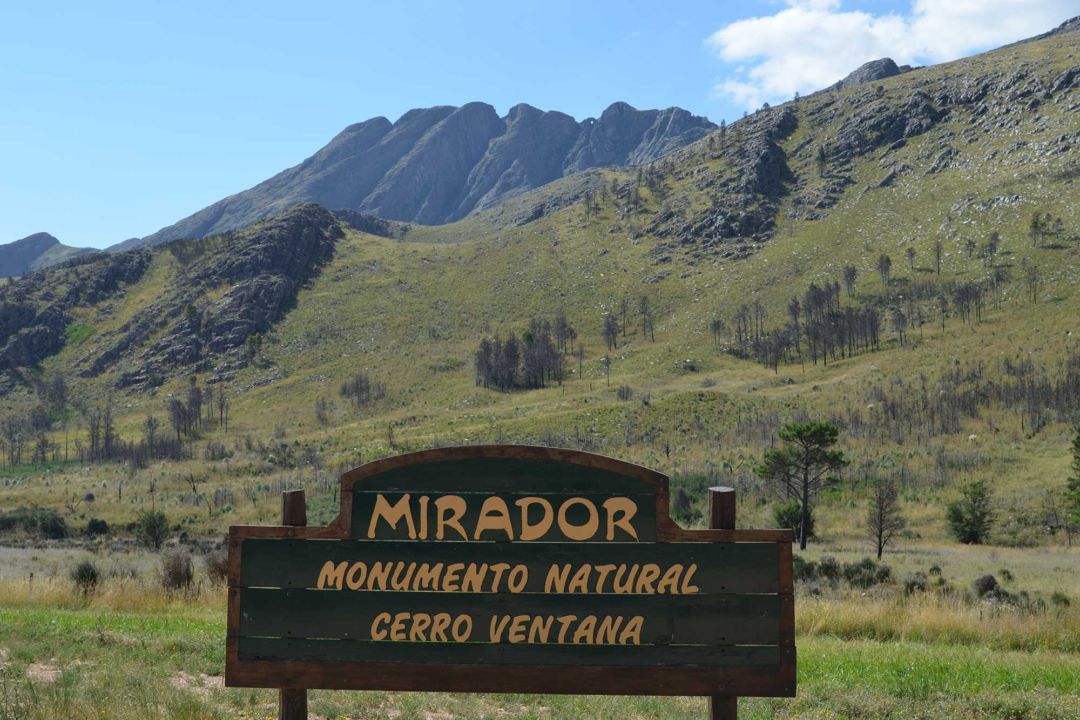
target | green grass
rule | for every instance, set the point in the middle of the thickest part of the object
(139, 664)
(77, 333)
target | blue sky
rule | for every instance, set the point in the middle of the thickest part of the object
(120, 118)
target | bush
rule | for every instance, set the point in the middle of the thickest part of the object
(177, 570)
(45, 522)
(624, 392)
(1060, 600)
(804, 570)
(971, 517)
(829, 568)
(866, 573)
(986, 585)
(916, 583)
(86, 577)
(217, 565)
(151, 528)
(97, 526)
(788, 514)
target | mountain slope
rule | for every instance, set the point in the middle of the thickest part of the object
(34, 252)
(437, 165)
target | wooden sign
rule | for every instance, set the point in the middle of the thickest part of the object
(510, 569)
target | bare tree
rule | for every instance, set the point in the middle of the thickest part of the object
(610, 331)
(938, 252)
(883, 520)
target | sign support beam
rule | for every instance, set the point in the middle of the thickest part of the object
(722, 517)
(292, 703)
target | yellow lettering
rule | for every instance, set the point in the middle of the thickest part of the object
(380, 573)
(631, 634)
(518, 578)
(620, 511)
(687, 588)
(494, 515)
(579, 532)
(580, 581)
(517, 628)
(564, 623)
(424, 499)
(609, 629)
(498, 625)
(540, 628)
(439, 624)
(420, 623)
(670, 581)
(461, 630)
(474, 578)
(586, 630)
(602, 571)
(530, 532)
(449, 510)
(397, 629)
(624, 587)
(649, 573)
(427, 576)
(555, 582)
(332, 574)
(451, 579)
(497, 570)
(391, 515)
(357, 575)
(397, 582)
(376, 632)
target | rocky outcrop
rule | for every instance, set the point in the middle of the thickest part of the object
(262, 270)
(35, 311)
(870, 72)
(439, 164)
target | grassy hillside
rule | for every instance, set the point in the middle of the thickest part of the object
(784, 198)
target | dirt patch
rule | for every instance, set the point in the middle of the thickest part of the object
(43, 673)
(200, 683)
(3, 657)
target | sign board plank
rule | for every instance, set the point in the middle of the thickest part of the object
(716, 567)
(512, 569)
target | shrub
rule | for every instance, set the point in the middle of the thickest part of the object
(1006, 575)
(971, 517)
(624, 392)
(45, 522)
(217, 565)
(177, 570)
(151, 528)
(866, 573)
(1060, 600)
(788, 514)
(86, 577)
(829, 568)
(916, 583)
(97, 526)
(804, 570)
(986, 585)
(935, 570)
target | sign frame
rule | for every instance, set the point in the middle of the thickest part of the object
(774, 681)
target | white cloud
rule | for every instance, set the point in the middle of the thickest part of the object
(811, 44)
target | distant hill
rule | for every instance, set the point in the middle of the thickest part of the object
(34, 252)
(436, 165)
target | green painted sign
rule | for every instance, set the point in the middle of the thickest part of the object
(510, 568)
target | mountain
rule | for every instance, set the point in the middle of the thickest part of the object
(33, 252)
(436, 165)
(962, 175)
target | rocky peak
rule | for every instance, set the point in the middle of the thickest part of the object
(436, 165)
(869, 72)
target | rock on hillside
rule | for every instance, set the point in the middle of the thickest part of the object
(437, 165)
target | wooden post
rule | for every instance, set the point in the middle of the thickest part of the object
(292, 704)
(722, 517)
